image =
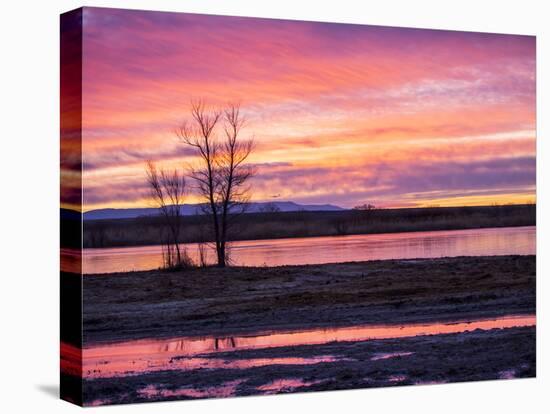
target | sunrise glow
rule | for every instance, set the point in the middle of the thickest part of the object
(341, 114)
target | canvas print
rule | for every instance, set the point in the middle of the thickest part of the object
(258, 206)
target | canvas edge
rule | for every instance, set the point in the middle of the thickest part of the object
(71, 46)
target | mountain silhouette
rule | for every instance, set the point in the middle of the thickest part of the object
(194, 209)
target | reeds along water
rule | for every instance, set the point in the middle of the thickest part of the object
(326, 249)
(272, 225)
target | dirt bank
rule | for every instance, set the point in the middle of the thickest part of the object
(158, 304)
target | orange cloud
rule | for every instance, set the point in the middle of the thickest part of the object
(324, 100)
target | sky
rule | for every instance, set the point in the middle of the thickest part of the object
(341, 114)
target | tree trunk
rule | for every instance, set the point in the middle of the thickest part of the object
(221, 255)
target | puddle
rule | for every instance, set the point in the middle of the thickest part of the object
(507, 374)
(285, 385)
(227, 389)
(98, 402)
(189, 353)
(153, 363)
(430, 382)
(397, 378)
(389, 355)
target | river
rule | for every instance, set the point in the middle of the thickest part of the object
(331, 249)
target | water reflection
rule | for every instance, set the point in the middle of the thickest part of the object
(389, 355)
(507, 374)
(397, 378)
(226, 389)
(285, 385)
(189, 353)
(122, 366)
(71, 260)
(315, 250)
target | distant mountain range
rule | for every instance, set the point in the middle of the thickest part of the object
(194, 209)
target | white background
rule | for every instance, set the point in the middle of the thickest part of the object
(29, 194)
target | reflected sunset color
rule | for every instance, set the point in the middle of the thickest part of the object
(185, 354)
(259, 206)
(316, 250)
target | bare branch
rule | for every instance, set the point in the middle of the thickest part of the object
(168, 191)
(221, 176)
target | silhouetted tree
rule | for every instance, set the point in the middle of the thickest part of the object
(363, 213)
(168, 191)
(270, 208)
(341, 226)
(221, 174)
(365, 207)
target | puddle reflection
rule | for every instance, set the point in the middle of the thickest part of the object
(227, 389)
(285, 385)
(189, 353)
(378, 357)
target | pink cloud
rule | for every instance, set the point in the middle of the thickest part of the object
(303, 86)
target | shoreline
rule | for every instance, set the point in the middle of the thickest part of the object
(144, 231)
(212, 301)
(375, 233)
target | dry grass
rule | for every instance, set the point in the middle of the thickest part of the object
(146, 230)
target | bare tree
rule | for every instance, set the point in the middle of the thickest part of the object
(168, 191)
(341, 226)
(222, 174)
(270, 208)
(364, 207)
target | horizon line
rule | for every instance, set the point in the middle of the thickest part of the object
(319, 204)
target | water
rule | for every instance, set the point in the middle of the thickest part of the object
(332, 249)
(192, 353)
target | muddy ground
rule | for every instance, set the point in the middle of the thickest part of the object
(471, 356)
(160, 304)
